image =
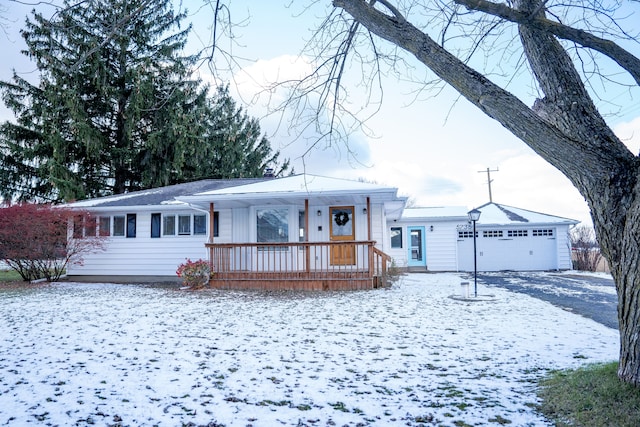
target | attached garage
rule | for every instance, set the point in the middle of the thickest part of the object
(510, 238)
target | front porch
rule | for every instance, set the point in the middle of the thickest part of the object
(313, 266)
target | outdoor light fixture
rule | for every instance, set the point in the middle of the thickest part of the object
(474, 215)
(364, 211)
(431, 228)
(319, 212)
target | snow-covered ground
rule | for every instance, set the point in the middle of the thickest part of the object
(135, 355)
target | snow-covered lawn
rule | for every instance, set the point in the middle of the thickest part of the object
(134, 355)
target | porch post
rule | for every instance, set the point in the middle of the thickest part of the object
(211, 224)
(307, 249)
(368, 218)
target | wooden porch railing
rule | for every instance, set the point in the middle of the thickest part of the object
(298, 265)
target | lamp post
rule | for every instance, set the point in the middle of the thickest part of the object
(474, 216)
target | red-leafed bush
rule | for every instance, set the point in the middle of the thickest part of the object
(194, 274)
(38, 240)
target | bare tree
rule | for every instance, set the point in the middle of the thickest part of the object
(584, 249)
(563, 125)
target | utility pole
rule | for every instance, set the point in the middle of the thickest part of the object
(489, 180)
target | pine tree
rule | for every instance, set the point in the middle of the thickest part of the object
(115, 108)
(233, 146)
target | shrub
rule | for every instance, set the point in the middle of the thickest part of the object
(37, 241)
(194, 274)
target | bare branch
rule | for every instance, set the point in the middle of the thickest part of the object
(606, 47)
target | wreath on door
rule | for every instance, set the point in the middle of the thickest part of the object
(341, 218)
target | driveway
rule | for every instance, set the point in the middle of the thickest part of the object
(591, 296)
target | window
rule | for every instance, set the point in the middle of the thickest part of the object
(184, 225)
(199, 225)
(396, 237)
(272, 225)
(77, 226)
(90, 226)
(301, 226)
(131, 225)
(492, 233)
(542, 232)
(517, 233)
(169, 225)
(104, 225)
(466, 234)
(155, 224)
(118, 225)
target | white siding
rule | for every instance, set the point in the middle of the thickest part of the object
(143, 255)
(240, 226)
(441, 246)
(378, 227)
(564, 248)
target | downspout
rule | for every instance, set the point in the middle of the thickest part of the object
(210, 213)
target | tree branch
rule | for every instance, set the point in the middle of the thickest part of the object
(563, 151)
(606, 47)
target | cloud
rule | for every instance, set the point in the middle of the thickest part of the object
(629, 133)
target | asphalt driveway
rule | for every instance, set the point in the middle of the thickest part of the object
(590, 296)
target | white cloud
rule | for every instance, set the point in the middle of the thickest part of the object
(629, 133)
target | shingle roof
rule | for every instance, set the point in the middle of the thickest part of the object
(163, 195)
(498, 214)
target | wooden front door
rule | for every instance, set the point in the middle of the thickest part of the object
(342, 229)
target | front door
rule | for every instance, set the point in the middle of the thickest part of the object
(417, 256)
(342, 229)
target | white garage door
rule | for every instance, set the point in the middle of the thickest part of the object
(509, 249)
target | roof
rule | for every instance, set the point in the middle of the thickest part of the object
(162, 195)
(228, 193)
(497, 214)
(318, 189)
(435, 213)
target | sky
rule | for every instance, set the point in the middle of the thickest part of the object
(435, 150)
(407, 355)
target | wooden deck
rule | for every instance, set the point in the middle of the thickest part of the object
(313, 266)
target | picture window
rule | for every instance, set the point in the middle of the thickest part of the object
(272, 225)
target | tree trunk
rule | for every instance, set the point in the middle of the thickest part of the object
(566, 129)
(624, 268)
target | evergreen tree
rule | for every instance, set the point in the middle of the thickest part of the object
(115, 108)
(232, 144)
